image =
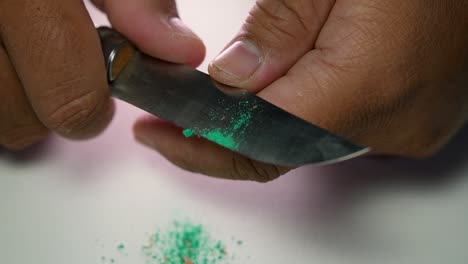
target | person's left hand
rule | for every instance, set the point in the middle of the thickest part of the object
(52, 73)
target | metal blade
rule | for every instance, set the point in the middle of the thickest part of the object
(229, 117)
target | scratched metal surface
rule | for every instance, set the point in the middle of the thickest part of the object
(190, 99)
(72, 202)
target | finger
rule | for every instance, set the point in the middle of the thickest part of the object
(19, 126)
(58, 59)
(341, 94)
(361, 82)
(275, 35)
(199, 155)
(155, 27)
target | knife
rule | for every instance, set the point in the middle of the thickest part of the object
(229, 117)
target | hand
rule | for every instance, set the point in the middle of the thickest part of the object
(52, 74)
(391, 75)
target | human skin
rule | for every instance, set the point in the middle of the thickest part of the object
(52, 74)
(391, 75)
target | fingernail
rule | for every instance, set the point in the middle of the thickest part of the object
(239, 62)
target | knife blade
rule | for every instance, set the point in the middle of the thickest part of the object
(230, 117)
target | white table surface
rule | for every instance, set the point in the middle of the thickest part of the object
(73, 202)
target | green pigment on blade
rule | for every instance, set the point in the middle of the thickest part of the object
(188, 133)
(184, 243)
(216, 136)
(229, 136)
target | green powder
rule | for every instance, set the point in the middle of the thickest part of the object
(188, 133)
(230, 136)
(217, 136)
(184, 243)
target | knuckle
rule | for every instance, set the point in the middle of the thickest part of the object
(362, 37)
(183, 163)
(237, 170)
(302, 12)
(279, 20)
(17, 138)
(74, 112)
(243, 168)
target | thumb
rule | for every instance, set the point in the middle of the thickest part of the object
(155, 27)
(274, 37)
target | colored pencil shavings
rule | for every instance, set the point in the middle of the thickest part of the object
(181, 242)
(184, 243)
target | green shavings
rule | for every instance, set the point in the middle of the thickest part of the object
(217, 136)
(184, 243)
(232, 133)
(180, 242)
(188, 133)
(225, 140)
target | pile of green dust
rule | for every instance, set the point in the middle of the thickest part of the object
(184, 243)
(230, 135)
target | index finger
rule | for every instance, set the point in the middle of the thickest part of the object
(55, 50)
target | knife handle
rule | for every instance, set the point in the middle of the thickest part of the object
(117, 51)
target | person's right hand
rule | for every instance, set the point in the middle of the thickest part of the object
(391, 75)
(52, 74)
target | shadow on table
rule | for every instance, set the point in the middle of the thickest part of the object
(352, 178)
(352, 183)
